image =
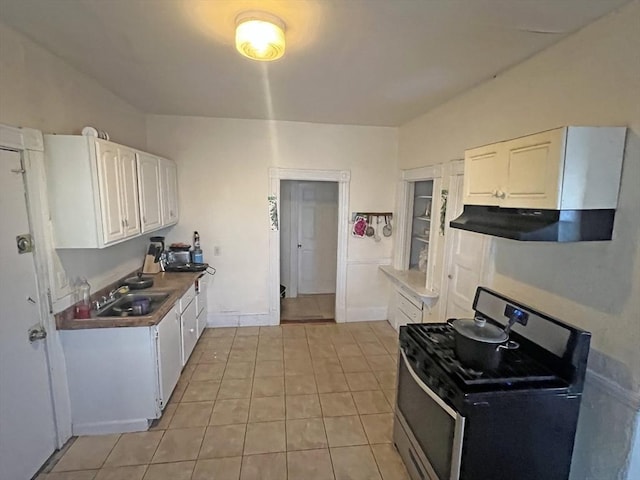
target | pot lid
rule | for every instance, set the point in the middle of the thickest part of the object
(139, 281)
(478, 329)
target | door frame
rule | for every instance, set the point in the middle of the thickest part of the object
(30, 144)
(343, 178)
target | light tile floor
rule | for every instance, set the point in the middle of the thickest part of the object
(297, 402)
(308, 307)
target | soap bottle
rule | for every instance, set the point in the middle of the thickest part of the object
(196, 241)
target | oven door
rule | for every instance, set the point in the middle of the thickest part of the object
(433, 428)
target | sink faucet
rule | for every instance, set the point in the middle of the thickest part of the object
(110, 298)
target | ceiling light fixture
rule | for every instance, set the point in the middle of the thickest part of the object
(260, 36)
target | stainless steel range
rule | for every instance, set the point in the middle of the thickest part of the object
(517, 421)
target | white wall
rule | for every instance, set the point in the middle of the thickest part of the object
(591, 78)
(223, 186)
(39, 90)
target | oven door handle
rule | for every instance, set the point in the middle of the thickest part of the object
(450, 411)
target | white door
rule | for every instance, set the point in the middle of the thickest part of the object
(149, 185)
(535, 170)
(110, 192)
(317, 237)
(169, 191)
(466, 257)
(485, 169)
(169, 354)
(27, 430)
(130, 200)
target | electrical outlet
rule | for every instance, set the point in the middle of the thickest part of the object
(216, 251)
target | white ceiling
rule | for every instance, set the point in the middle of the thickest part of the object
(362, 62)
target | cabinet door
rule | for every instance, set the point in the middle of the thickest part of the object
(110, 192)
(149, 185)
(169, 191)
(130, 201)
(534, 169)
(169, 347)
(484, 174)
(189, 331)
(201, 303)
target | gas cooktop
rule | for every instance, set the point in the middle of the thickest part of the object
(517, 370)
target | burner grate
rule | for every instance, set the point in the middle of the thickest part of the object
(516, 370)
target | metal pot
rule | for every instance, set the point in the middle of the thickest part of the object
(478, 344)
(139, 306)
(139, 282)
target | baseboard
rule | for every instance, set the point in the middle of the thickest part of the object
(366, 314)
(235, 319)
(103, 428)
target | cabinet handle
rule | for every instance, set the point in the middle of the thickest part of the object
(126, 222)
(122, 222)
(501, 194)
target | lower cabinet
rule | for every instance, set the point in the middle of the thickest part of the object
(406, 309)
(120, 379)
(169, 351)
(202, 287)
(189, 322)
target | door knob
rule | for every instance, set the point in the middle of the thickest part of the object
(37, 332)
(450, 277)
(299, 245)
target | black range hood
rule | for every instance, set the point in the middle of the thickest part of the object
(537, 225)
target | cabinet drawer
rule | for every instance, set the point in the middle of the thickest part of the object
(406, 306)
(189, 324)
(187, 298)
(402, 319)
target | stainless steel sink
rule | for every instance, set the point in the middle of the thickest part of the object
(122, 307)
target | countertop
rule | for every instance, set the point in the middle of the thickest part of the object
(176, 284)
(412, 280)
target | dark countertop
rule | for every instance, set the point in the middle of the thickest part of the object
(176, 284)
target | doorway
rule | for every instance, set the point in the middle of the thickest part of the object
(342, 179)
(308, 250)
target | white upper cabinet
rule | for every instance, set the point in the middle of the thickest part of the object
(149, 185)
(110, 195)
(98, 192)
(487, 166)
(169, 191)
(568, 168)
(130, 200)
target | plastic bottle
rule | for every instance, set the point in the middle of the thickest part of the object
(83, 307)
(196, 241)
(85, 292)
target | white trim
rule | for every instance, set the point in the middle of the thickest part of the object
(343, 177)
(29, 142)
(236, 319)
(612, 389)
(370, 261)
(422, 173)
(116, 426)
(367, 314)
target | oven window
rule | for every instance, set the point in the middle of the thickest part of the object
(431, 425)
